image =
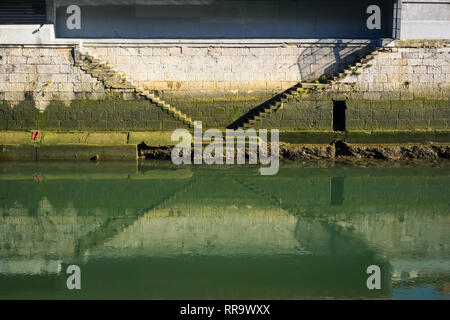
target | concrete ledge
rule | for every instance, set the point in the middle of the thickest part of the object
(367, 137)
(174, 174)
(45, 35)
(17, 153)
(68, 153)
(162, 138)
(220, 42)
(64, 138)
(421, 43)
(27, 34)
(85, 138)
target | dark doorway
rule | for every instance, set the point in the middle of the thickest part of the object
(339, 115)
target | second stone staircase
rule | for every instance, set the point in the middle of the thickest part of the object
(355, 67)
(303, 89)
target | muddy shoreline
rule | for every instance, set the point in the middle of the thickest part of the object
(335, 150)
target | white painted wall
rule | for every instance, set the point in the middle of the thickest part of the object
(27, 34)
(425, 19)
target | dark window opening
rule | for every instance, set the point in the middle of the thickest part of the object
(337, 191)
(225, 19)
(23, 12)
(339, 108)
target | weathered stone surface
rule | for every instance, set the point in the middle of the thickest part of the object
(220, 84)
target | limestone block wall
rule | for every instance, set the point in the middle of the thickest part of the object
(43, 74)
(407, 71)
(225, 70)
(406, 87)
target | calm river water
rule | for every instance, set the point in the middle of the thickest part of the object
(150, 230)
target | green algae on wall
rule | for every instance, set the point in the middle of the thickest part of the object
(217, 112)
(311, 113)
(362, 115)
(87, 115)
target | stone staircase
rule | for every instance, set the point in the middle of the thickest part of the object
(115, 81)
(302, 89)
(355, 67)
(273, 105)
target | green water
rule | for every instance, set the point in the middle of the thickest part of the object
(155, 231)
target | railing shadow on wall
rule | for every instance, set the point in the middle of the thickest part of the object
(317, 59)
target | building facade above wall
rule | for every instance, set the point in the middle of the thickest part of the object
(425, 19)
(51, 21)
(229, 19)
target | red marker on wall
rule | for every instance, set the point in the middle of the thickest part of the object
(35, 135)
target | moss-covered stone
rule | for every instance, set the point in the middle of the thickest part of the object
(158, 138)
(87, 138)
(307, 113)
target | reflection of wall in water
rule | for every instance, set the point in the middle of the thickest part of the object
(403, 215)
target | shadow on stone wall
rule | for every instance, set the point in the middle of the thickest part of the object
(321, 60)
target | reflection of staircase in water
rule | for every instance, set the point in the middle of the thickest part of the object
(260, 192)
(315, 233)
(194, 223)
(114, 226)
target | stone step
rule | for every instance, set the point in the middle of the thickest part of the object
(314, 85)
(182, 116)
(98, 61)
(157, 100)
(275, 105)
(148, 95)
(354, 67)
(287, 96)
(283, 98)
(293, 92)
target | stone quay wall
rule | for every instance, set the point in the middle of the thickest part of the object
(405, 87)
(43, 74)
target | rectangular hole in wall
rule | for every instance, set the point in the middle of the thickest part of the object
(339, 108)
